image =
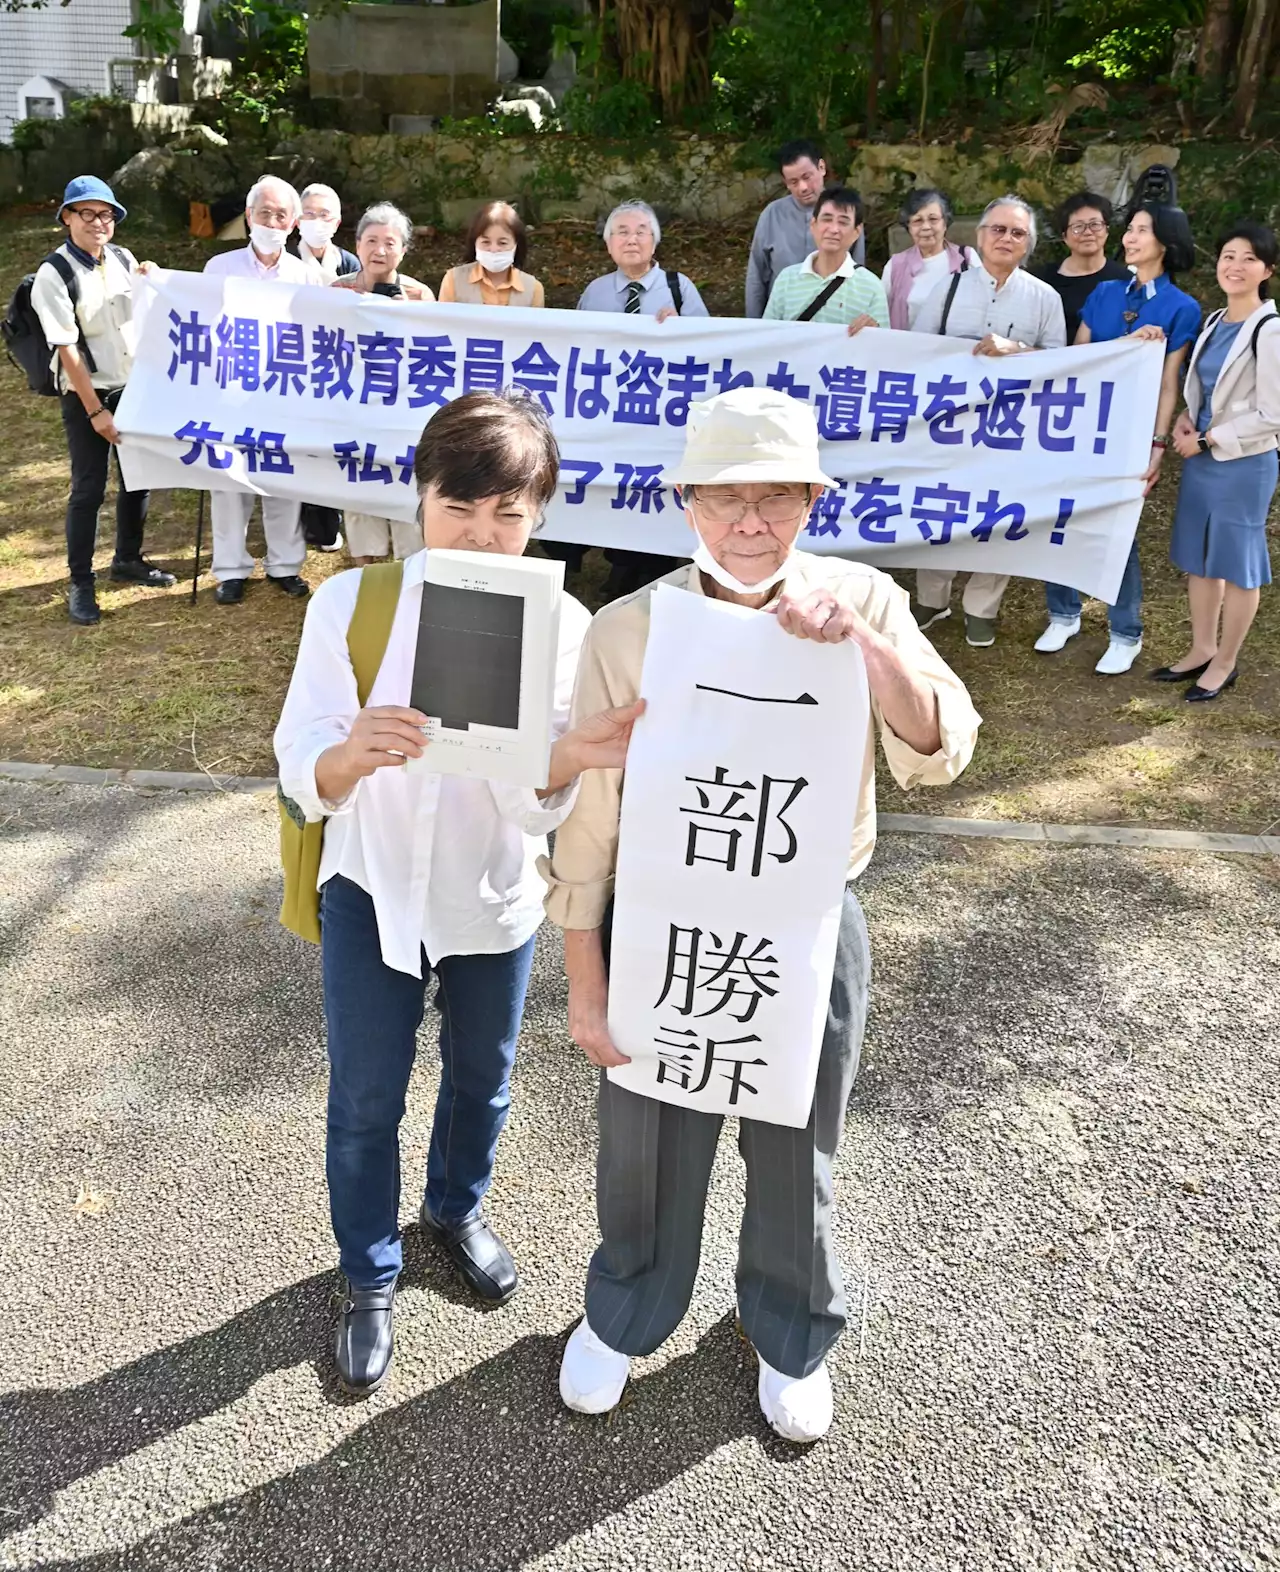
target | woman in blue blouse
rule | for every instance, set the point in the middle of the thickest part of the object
(1227, 436)
(1157, 244)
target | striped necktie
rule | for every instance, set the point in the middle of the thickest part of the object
(635, 292)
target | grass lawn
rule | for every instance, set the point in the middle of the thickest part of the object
(166, 685)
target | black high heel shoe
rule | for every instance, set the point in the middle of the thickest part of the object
(1167, 673)
(1195, 694)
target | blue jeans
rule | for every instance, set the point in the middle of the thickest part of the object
(1124, 618)
(373, 1013)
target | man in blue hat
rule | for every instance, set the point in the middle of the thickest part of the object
(83, 295)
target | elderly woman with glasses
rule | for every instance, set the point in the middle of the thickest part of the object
(383, 235)
(749, 476)
(1082, 221)
(911, 276)
(1008, 311)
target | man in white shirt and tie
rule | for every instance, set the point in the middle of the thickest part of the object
(271, 212)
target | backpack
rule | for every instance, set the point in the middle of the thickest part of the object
(1257, 331)
(301, 844)
(23, 333)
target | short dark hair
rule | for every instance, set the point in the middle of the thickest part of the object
(920, 198)
(1077, 203)
(498, 213)
(839, 196)
(793, 152)
(1265, 246)
(489, 445)
(1173, 230)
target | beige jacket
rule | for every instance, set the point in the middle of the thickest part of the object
(580, 875)
(1246, 396)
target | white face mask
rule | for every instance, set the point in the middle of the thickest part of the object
(267, 241)
(495, 261)
(317, 232)
(703, 559)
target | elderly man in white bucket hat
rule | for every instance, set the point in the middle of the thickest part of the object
(749, 476)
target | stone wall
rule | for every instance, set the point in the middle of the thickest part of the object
(440, 178)
(407, 59)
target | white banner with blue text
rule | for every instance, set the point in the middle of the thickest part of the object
(733, 851)
(1028, 464)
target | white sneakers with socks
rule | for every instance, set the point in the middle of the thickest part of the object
(799, 1408)
(1056, 635)
(593, 1376)
(1118, 657)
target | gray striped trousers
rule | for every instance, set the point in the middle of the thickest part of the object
(652, 1173)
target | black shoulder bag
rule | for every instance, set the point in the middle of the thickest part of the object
(951, 295)
(820, 299)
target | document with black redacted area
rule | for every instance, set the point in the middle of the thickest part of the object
(484, 671)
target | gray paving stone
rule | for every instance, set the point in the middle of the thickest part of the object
(1152, 840)
(980, 829)
(82, 775)
(19, 770)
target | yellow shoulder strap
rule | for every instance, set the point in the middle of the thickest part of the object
(370, 628)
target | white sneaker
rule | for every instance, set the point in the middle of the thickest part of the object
(1119, 656)
(336, 544)
(592, 1375)
(1055, 636)
(798, 1409)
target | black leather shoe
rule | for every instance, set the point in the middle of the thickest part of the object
(82, 605)
(484, 1263)
(230, 592)
(140, 571)
(363, 1343)
(293, 585)
(1195, 694)
(1167, 673)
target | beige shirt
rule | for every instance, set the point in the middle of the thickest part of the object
(479, 287)
(580, 875)
(103, 312)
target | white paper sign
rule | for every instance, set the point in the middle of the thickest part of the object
(737, 817)
(1028, 465)
(485, 666)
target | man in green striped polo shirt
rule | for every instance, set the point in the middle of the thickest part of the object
(849, 294)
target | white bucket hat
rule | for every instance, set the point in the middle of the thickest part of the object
(747, 435)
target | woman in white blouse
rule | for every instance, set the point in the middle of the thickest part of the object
(427, 875)
(911, 276)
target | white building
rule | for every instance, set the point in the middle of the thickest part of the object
(53, 55)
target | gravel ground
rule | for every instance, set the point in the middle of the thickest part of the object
(1058, 1215)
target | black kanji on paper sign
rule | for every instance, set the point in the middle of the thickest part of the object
(688, 1060)
(705, 975)
(725, 809)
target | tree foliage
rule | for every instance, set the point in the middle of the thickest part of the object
(774, 68)
(785, 67)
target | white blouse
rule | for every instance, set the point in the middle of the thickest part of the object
(932, 271)
(449, 861)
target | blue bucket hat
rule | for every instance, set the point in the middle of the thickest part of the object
(88, 188)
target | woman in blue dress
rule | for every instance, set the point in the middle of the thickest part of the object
(1157, 245)
(1227, 436)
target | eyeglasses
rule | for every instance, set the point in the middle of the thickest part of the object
(1091, 226)
(721, 509)
(272, 215)
(103, 218)
(999, 231)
